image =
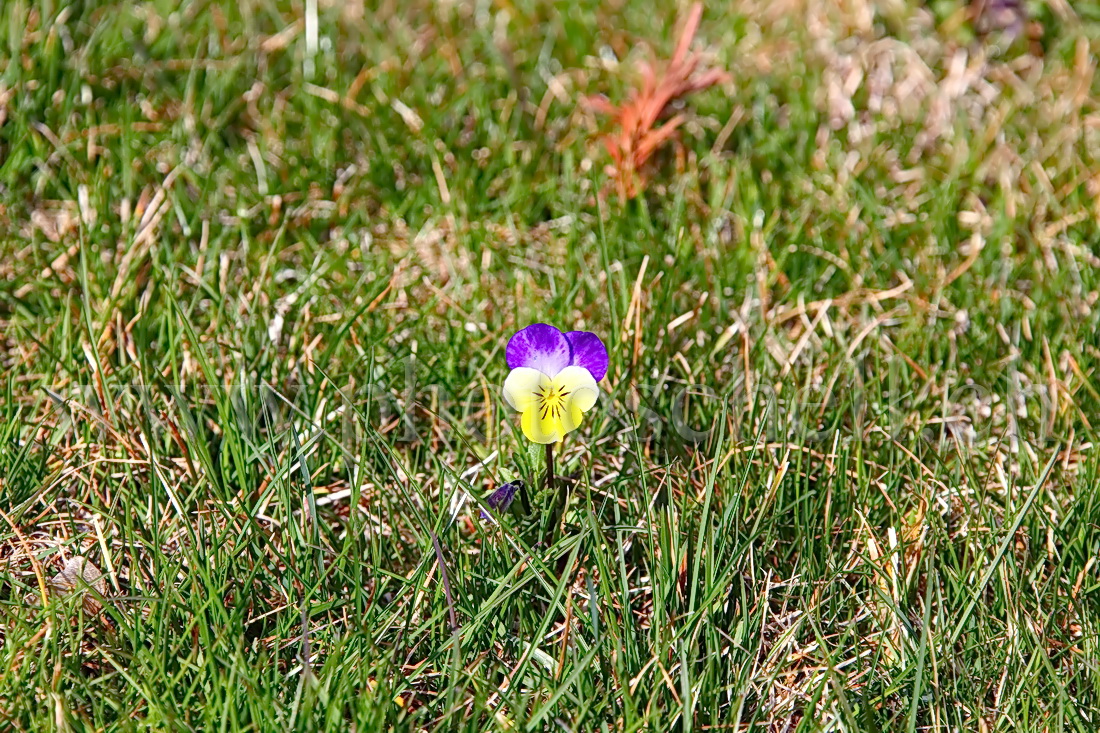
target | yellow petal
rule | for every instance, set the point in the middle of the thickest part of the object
(573, 417)
(522, 386)
(579, 386)
(539, 429)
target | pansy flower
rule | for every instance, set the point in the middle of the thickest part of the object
(553, 379)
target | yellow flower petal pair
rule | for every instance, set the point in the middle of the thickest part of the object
(550, 406)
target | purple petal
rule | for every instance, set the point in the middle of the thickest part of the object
(501, 499)
(588, 352)
(539, 347)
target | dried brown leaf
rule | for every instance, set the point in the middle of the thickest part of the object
(79, 576)
(636, 136)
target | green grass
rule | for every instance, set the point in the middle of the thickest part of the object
(254, 296)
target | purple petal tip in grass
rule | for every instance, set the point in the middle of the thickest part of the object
(502, 498)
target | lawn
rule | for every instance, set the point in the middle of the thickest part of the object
(259, 264)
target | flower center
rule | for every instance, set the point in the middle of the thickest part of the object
(551, 401)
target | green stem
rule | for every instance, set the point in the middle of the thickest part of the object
(558, 516)
(549, 466)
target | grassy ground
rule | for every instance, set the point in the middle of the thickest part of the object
(258, 269)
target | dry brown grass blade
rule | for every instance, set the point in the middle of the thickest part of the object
(636, 135)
